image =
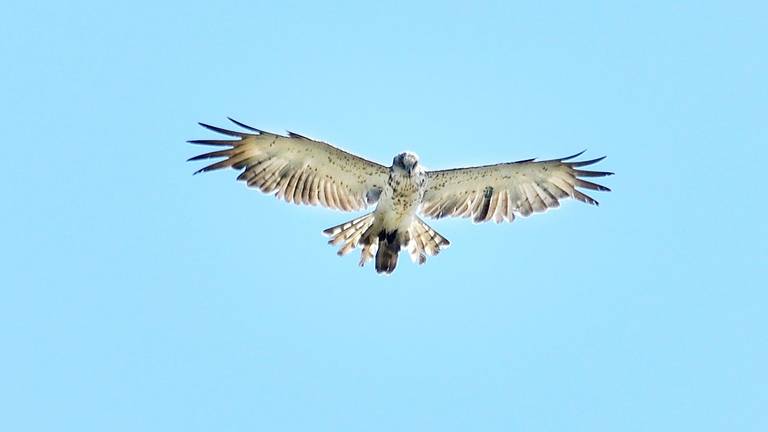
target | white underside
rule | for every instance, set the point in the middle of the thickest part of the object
(393, 217)
(397, 208)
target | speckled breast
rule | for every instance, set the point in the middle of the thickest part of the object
(407, 192)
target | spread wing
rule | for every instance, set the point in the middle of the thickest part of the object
(499, 191)
(297, 169)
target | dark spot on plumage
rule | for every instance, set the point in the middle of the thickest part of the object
(483, 213)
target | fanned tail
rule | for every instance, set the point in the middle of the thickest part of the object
(349, 235)
(424, 241)
(420, 240)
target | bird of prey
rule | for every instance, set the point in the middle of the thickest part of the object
(305, 171)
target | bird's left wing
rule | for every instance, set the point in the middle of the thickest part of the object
(499, 191)
(296, 168)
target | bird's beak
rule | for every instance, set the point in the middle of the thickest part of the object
(411, 168)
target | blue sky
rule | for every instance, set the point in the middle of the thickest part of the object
(139, 297)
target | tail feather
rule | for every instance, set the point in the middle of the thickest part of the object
(424, 241)
(386, 256)
(420, 240)
(350, 234)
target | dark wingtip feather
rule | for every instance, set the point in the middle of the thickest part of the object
(211, 155)
(584, 198)
(584, 173)
(221, 130)
(585, 163)
(572, 156)
(589, 185)
(245, 126)
(214, 142)
(202, 170)
(295, 135)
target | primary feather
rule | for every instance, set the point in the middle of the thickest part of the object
(296, 169)
(500, 191)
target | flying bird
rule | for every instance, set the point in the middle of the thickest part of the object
(305, 171)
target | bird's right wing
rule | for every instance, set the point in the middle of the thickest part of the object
(499, 191)
(297, 169)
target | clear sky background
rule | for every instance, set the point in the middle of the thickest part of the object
(136, 297)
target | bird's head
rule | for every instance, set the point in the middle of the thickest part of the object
(407, 162)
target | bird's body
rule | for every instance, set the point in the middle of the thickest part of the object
(396, 209)
(304, 171)
(401, 197)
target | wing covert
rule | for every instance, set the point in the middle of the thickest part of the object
(296, 168)
(500, 191)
